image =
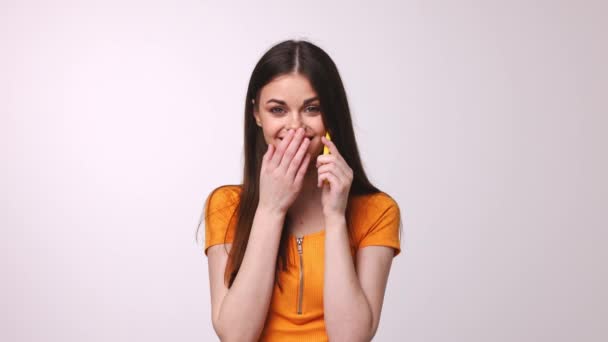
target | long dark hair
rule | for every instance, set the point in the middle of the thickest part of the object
(307, 59)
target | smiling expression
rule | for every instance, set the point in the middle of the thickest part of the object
(289, 102)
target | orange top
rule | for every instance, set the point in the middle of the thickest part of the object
(296, 313)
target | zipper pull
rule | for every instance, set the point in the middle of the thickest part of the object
(299, 242)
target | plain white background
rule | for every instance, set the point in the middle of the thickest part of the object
(486, 120)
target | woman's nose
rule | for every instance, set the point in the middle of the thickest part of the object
(295, 128)
(295, 123)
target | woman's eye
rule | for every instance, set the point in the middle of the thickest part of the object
(278, 110)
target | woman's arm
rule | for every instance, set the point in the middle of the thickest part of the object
(239, 313)
(352, 297)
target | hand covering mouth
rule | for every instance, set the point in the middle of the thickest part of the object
(309, 138)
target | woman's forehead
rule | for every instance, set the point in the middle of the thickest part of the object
(291, 88)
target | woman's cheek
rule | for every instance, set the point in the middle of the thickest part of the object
(318, 147)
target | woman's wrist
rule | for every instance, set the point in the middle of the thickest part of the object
(271, 211)
(334, 220)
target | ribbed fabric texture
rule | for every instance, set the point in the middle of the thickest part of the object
(374, 220)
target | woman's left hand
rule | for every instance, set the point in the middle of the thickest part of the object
(333, 168)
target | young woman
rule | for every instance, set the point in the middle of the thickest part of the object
(302, 249)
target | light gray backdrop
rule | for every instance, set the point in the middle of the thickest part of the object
(486, 120)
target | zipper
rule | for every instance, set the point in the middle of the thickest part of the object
(301, 291)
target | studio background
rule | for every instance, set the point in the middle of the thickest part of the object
(485, 120)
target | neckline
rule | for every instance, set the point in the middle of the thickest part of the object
(317, 233)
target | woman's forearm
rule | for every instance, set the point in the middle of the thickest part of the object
(244, 308)
(348, 316)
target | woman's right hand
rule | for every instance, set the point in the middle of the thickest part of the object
(282, 172)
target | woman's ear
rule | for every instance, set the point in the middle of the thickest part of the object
(256, 114)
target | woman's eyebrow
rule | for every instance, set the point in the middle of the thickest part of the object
(284, 104)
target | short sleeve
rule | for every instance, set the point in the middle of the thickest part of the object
(384, 228)
(220, 216)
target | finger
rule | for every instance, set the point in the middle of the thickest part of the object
(297, 159)
(280, 149)
(333, 168)
(329, 177)
(328, 158)
(268, 154)
(333, 150)
(331, 159)
(291, 150)
(302, 170)
(325, 159)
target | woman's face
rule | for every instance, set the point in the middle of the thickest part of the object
(290, 102)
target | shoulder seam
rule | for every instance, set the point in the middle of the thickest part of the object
(224, 190)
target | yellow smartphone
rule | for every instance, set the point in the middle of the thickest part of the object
(325, 148)
(326, 151)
